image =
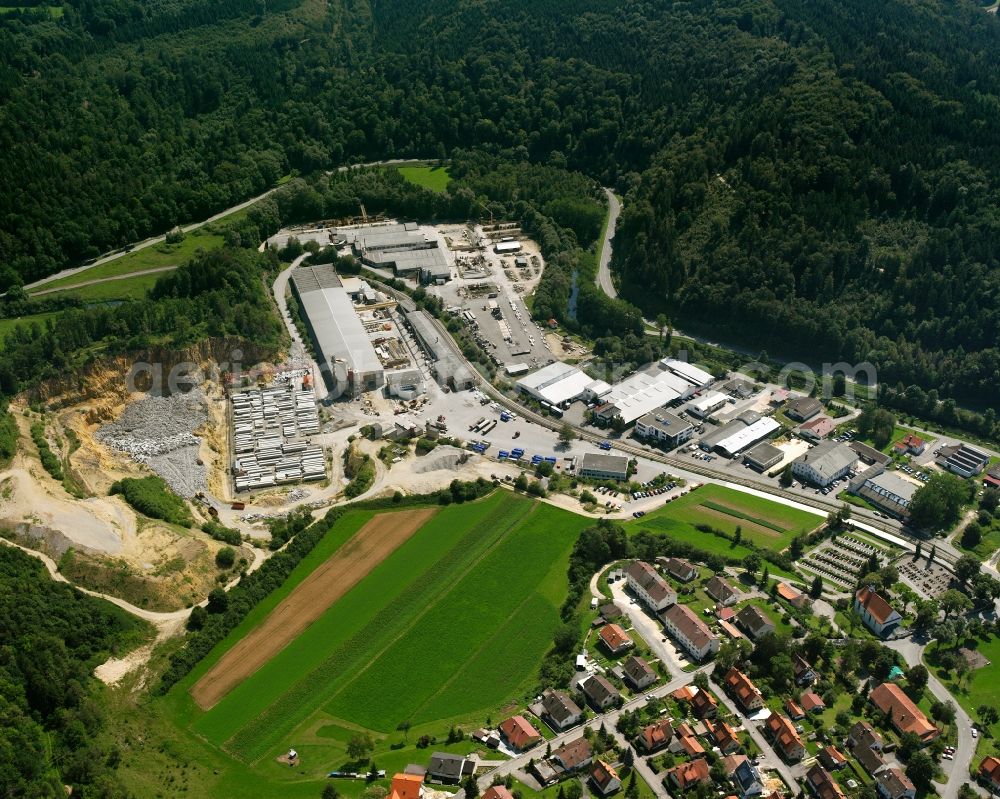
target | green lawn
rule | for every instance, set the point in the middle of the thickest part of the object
(898, 434)
(980, 687)
(435, 178)
(7, 325)
(989, 544)
(55, 12)
(767, 524)
(456, 621)
(129, 288)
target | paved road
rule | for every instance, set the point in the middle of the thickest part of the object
(141, 245)
(604, 265)
(957, 770)
(126, 276)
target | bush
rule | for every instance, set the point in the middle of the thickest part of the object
(8, 436)
(50, 462)
(220, 532)
(152, 497)
(225, 558)
(218, 601)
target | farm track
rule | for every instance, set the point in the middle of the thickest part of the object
(310, 599)
(252, 741)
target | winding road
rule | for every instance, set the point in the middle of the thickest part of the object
(604, 264)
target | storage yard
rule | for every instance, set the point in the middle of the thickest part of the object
(271, 431)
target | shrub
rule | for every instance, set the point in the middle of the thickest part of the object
(225, 558)
(152, 497)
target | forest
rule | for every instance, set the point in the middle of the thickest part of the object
(51, 721)
(792, 172)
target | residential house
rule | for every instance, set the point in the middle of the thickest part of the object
(723, 736)
(802, 409)
(560, 711)
(573, 755)
(610, 612)
(754, 622)
(689, 774)
(638, 674)
(792, 596)
(721, 591)
(795, 713)
(812, 702)
(822, 785)
(904, 714)
(784, 737)
(690, 631)
(448, 768)
(748, 779)
(600, 692)
(804, 673)
(654, 592)
(654, 737)
(731, 762)
(910, 444)
(865, 744)
(871, 760)
(832, 758)
(742, 689)
(876, 612)
(704, 706)
(615, 639)
(817, 429)
(519, 733)
(730, 630)
(989, 773)
(689, 745)
(684, 693)
(497, 792)
(892, 783)
(680, 569)
(406, 786)
(605, 779)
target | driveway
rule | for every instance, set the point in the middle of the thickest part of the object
(649, 628)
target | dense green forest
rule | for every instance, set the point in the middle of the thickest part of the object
(51, 722)
(823, 173)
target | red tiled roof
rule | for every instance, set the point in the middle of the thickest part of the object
(520, 732)
(614, 637)
(497, 792)
(811, 701)
(906, 716)
(990, 768)
(876, 604)
(784, 734)
(656, 735)
(793, 710)
(406, 786)
(704, 704)
(690, 773)
(789, 594)
(742, 687)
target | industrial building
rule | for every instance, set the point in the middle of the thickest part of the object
(604, 467)
(744, 431)
(708, 403)
(347, 356)
(888, 491)
(449, 365)
(401, 247)
(824, 463)
(559, 383)
(963, 460)
(695, 376)
(763, 456)
(270, 430)
(641, 393)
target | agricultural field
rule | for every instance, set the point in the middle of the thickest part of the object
(435, 178)
(768, 524)
(456, 619)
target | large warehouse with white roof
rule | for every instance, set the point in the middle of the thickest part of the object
(346, 352)
(558, 383)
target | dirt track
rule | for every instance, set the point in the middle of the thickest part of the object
(310, 599)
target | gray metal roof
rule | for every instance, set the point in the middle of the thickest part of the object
(604, 463)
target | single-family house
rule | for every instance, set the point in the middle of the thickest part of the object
(690, 746)
(812, 702)
(615, 639)
(792, 595)
(876, 612)
(748, 779)
(721, 591)
(742, 689)
(651, 589)
(687, 775)
(822, 785)
(817, 429)
(910, 444)
(690, 631)
(448, 768)
(784, 737)
(560, 711)
(989, 773)
(723, 736)
(573, 755)
(865, 744)
(871, 760)
(599, 692)
(704, 706)
(804, 673)
(754, 622)
(406, 786)
(654, 737)
(498, 792)
(680, 569)
(731, 762)
(605, 779)
(832, 758)
(795, 713)
(638, 673)
(904, 714)
(892, 783)
(519, 733)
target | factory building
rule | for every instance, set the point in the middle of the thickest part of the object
(449, 365)
(347, 356)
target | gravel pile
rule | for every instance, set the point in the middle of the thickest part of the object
(444, 457)
(158, 431)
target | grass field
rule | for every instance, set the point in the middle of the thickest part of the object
(435, 178)
(456, 621)
(128, 288)
(980, 687)
(767, 524)
(55, 12)
(7, 325)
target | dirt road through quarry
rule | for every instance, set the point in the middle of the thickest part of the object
(310, 599)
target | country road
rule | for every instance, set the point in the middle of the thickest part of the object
(604, 264)
(126, 276)
(141, 245)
